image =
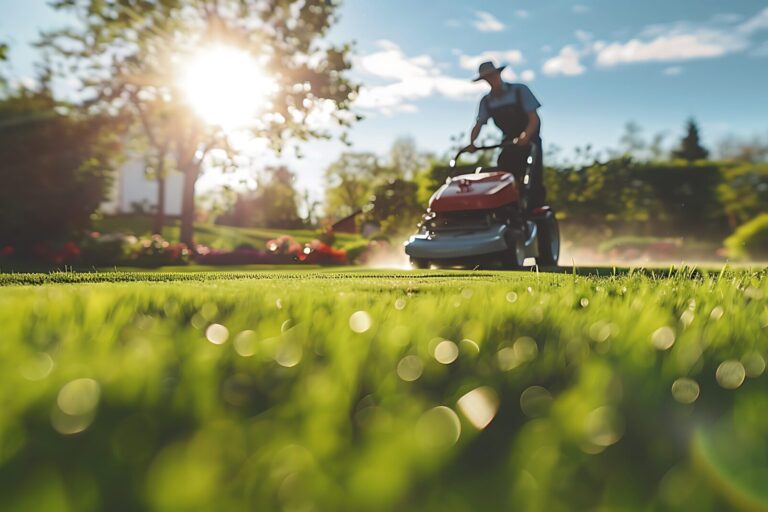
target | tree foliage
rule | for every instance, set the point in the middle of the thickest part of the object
(395, 207)
(55, 170)
(125, 53)
(350, 181)
(690, 146)
(274, 204)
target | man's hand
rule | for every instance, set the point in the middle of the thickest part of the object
(469, 149)
(523, 139)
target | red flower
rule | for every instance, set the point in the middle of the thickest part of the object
(71, 249)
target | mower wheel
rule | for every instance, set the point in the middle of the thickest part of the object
(549, 241)
(419, 263)
(514, 256)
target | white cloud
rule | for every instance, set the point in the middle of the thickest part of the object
(414, 78)
(673, 71)
(487, 22)
(567, 62)
(522, 13)
(390, 62)
(580, 9)
(528, 75)
(756, 23)
(472, 62)
(583, 36)
(702, 43)
(723, 34)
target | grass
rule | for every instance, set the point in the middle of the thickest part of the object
(374, 390)
(212, 235)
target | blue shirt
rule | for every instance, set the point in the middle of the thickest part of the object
(508, 97)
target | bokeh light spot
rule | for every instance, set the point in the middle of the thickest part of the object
(289, 354)
(663, 338)
(360, 322)
(685, 391)
(410, 368)
(217, 334)
(439, 427)
(604, 426)
(245, 343)
(79, 396)
(511, 297)
(535, 401)
(730, 374)
(37, 367)
(479, 406)
(446, 352)
(754, 364)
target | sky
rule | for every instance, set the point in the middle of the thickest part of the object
(593, 64)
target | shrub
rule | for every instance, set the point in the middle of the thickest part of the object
(54, 175)
(156, 251)
(750, 241)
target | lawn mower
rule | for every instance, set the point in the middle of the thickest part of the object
(482, 219)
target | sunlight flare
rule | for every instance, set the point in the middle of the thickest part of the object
(226, 86)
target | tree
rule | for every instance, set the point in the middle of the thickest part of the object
(631, 141)
(351, 179)
(690, 147)
(405, 158)
(395, 206)
(752, 150)
(274, 203)
(3, 58)
(56, 169)
(127, 52)
(656, 147)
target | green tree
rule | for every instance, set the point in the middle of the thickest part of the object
(351, 180)
(631, 141)
(56, 169)
(125, 52)
(405, 159)
(274, 203)
(690, 147)
(395, 206)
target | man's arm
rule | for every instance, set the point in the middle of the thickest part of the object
(474, 134)
(533, 126)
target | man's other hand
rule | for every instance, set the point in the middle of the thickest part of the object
(523, 139)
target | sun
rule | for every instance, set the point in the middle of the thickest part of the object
(225, 86)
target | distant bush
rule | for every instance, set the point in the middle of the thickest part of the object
(750, 241)
(55, 172)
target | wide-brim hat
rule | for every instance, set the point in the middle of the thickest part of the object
(487, 69)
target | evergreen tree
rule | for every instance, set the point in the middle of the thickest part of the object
(690, 147)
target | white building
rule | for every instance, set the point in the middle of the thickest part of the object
(132, 188)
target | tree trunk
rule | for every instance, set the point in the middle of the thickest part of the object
(188, 206)
(160, 213)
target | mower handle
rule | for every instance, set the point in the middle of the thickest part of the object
(455, 159)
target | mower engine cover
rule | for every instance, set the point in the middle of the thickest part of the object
(478, 191)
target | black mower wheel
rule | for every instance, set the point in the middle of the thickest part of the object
(514, 256)
(419, 263)
(549, 242)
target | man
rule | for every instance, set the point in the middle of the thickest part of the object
(513, 110)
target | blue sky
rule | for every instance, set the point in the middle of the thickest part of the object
(594, 65)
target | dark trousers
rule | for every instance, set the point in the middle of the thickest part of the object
(514, 159)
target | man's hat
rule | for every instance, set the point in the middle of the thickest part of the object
(486, 69)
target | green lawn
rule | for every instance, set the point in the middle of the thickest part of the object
(215, 236)
(359, 390)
